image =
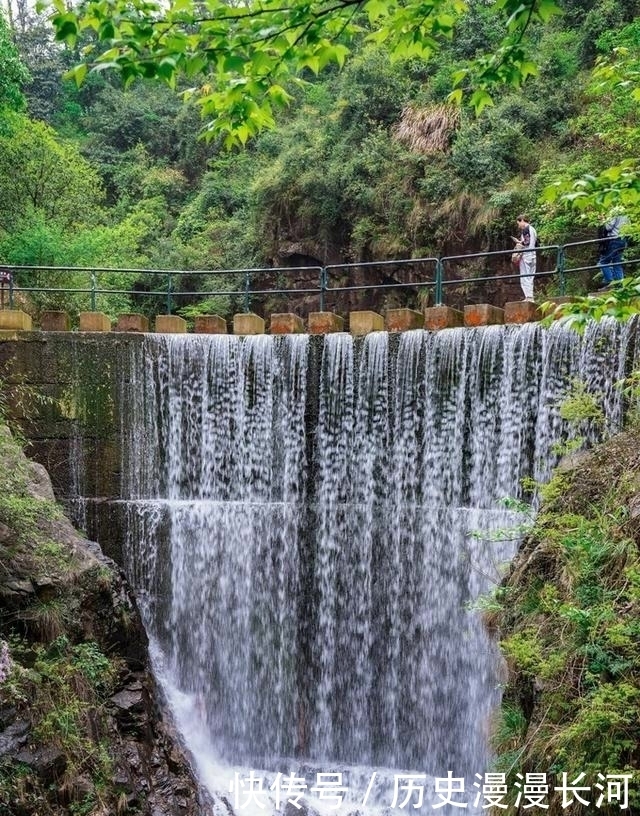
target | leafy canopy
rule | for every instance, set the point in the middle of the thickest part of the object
(13, 73)
(40, 173)
(615, 83)
(241, 54)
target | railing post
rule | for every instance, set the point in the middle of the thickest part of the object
(169, 290)
(247, 287)
(93, 291)
(439, 277)
(561, 262)
(323, 287)
(11, 290)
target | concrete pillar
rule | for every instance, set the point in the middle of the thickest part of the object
(286, 323)
(325, 323)
(94, 322)
(365, 322)
(248, 323)
(55, 321)
(399, 320)
(521, 311)
(209, 324)
(15, 320)
(442, 317)
(132, 322)
(483, 314)
(170, 324)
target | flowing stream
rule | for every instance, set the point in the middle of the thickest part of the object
(309, 522)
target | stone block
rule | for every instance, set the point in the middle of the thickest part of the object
(442, 317)
(365, 322)
(399, 320)
(170, 324)
(248, 323)
(209, 324)
(286, 323)
(483, 314)
(521, 311)
(94, 322)
(132, 322)
(55, 321)
(15, 320)
(325, 323)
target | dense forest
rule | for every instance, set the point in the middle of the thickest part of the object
(371, 162)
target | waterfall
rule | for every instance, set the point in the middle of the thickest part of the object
(309, 523)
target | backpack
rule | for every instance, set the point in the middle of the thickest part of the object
(526, 238)
(603, 234)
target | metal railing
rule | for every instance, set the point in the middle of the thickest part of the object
(418, 275)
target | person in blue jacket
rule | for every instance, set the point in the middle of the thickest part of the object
(611, 249)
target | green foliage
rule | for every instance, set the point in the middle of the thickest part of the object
(63, 685)
(40, 174)
(19, 510)
(24, 513)
(336, 181)
(614, 89)
(53, 555)
(581, 410)
(569, 629)
(244, 58)
(621, 303)
(58, 687)
(630, 387)
(96, 668)
(13, 73)
(616, 185)
(580, 405)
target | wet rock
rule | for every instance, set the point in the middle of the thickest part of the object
(121, 779)
(18, 587)
(14, 737)
(128, 700)
(40, 486)
(8, 713)
(47, 763)
(16, 594)
(129, 710)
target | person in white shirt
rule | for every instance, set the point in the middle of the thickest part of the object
(529, 239)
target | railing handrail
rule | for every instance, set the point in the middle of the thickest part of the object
(323, 287)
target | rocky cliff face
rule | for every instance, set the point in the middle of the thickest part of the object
(81, 730)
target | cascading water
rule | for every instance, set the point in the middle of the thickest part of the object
(306, 540)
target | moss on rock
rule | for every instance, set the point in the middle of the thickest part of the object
(569, 625)
(80, 731)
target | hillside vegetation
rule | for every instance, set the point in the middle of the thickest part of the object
(367, 163)
(81, 730)
(569, 619)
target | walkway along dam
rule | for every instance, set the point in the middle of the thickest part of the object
(307, 520)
